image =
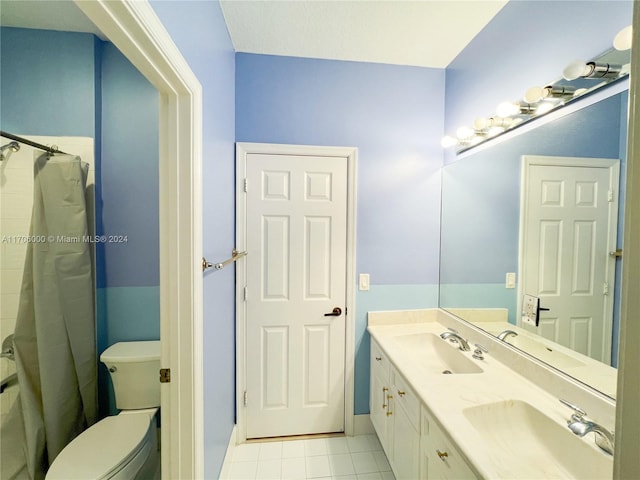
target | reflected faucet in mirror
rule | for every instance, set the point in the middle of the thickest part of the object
(504, 334)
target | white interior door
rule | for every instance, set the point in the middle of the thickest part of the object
(569, 221)
(296, 239)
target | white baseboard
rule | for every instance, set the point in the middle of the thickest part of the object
(362, 425)
(224, 472)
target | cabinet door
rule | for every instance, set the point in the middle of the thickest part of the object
(406, 446)
(378, 407)
(439, 459)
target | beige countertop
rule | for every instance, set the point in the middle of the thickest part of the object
(447, 396)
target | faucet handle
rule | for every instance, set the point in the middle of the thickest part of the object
(477, 353)
(579, 412)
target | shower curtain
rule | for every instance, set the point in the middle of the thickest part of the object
(54, 336)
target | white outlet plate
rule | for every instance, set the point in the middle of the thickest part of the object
(510, 281)
(363, 281)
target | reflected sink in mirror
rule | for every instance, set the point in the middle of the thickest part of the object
(436, 355)
(544, 352)
(525, 443)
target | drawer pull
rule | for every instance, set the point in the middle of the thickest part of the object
(442, 455)
(384, 391)
(389, 413)
(401, 393)
(378, 358)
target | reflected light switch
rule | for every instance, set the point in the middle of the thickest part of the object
(511, 280)
(363, 281)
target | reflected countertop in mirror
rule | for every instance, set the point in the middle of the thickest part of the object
(598, 375)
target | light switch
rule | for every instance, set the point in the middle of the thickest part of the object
(511, 280)
(363, 281)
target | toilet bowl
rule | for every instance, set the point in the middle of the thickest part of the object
(123, 446)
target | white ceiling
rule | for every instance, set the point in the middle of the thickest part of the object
(426, 33)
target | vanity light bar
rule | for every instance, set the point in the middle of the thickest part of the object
(541, 100)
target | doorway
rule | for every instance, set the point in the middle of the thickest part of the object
(294, 290)
(569, 213)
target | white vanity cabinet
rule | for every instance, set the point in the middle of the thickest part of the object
(439, 459)
(415, 445)
(379, 398)
(395, 414)
(405, 410)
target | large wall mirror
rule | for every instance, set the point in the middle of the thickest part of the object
(541, 213)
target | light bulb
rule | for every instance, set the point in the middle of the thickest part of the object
(576, 69)
(501, 121)
(544, 107)
(493, 131)
(448, 141)
(464, 133)
(623, 39)
(535, 94)
(506, 109)
(481, 123)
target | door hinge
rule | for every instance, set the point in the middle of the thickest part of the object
(610, 195)
(246, 185)
(165, 375)
(605, 289)
(244, 398)
(244, 294)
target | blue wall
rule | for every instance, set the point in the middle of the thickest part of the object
(127, 204)
(199, 31)
(528, 43)
(393, 114)
(73, 84)
(47, 81)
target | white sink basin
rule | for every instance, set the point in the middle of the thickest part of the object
(525, 443)
(436, 355)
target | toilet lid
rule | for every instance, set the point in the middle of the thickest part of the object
(101, 449)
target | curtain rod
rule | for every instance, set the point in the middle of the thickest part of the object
(10, 136)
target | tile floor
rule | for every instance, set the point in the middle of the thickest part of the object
(336, 458)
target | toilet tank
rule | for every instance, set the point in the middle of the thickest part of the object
(134, 368)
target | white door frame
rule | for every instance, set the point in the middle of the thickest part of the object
(614, 176)
(134, 28)
(242, 149)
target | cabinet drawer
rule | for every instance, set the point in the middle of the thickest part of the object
(443, 460)
(405, 398)
(379, 361)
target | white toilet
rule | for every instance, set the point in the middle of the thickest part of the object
(123, 446)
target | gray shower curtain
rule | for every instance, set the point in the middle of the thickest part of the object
(54, 336)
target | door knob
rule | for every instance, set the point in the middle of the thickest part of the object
(337, 311)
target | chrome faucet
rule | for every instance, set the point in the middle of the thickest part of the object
(503, 335)
(581, 426)
(454, 337)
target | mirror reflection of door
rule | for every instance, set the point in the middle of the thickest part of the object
(569, 214)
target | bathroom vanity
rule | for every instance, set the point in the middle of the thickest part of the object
(486, 413)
